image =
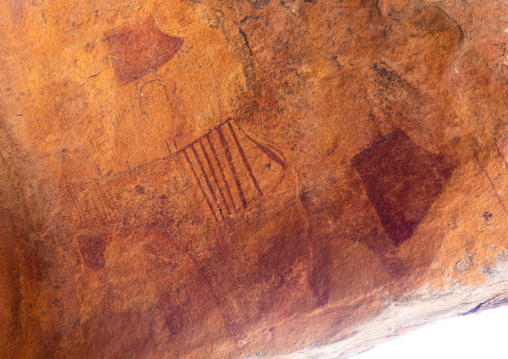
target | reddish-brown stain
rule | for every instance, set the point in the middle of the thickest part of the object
(92, 247)
(209, 279)
(16, 10)
(402, 180)
(139, 48)
(101, 333)
(172, 311)
(276, 262)
(174, 321)
(41, 262)
(318, 276)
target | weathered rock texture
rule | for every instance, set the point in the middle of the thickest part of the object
(231, 179)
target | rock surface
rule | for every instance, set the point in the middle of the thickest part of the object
(248, 179)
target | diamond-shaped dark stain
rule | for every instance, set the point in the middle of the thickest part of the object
(138, 48)
(402, 181)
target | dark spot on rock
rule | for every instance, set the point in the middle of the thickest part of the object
(92, 247)
(319, 275)
(140, 189)
(174, 321)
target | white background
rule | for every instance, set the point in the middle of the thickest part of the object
(478, 336)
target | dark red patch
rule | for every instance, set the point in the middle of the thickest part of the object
(174, 321)
(92, 247)
(16, 10)
(42, 262)
(138, 48)
(110, 333)
(319, 274)
(320, 261)
(402, 181)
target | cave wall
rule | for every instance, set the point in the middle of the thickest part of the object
(233, 179)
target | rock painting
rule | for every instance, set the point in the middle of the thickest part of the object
(138, 221)
(226, 167)
(226, 170)
(402, 180)
(136, 49)
(228, 178)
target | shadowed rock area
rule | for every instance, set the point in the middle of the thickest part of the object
(248, 179)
